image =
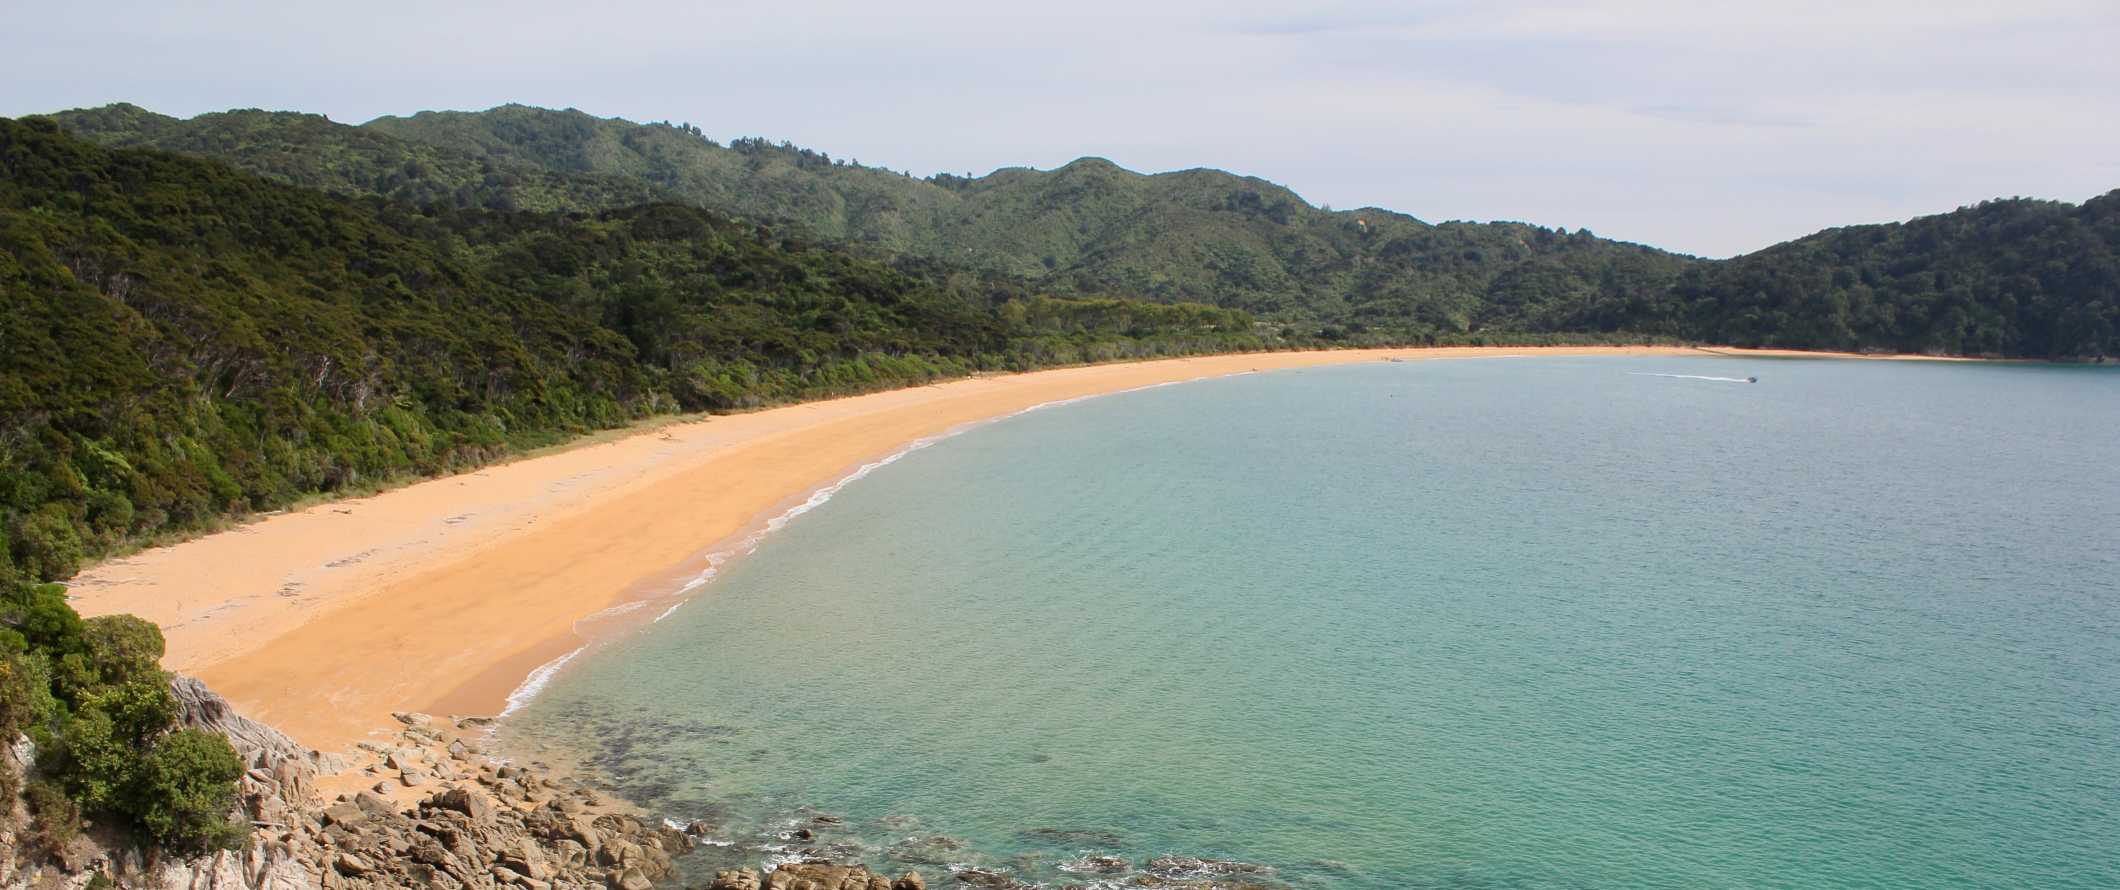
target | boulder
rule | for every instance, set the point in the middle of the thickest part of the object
(738, 879)
(373, 804)
(344, 813)
(825, 876)
(465, 801)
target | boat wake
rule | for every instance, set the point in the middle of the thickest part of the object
(1696, 377)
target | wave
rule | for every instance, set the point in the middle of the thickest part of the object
(1691, 377)
(535, 683)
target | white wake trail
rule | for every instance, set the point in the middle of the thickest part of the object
(1691, 377)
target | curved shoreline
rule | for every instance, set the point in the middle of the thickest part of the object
(446, 595)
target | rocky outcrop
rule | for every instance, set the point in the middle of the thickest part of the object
(815, 876)
(423, 808)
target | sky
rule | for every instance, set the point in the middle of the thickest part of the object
(1704, 127)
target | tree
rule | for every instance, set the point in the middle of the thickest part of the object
(184, 793)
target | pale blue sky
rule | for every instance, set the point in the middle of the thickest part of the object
(1705, 127)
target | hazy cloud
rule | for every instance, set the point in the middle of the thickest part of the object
(1699, 126)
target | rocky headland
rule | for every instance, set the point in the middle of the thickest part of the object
(427, 806)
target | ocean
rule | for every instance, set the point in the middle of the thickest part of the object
(1486, 623)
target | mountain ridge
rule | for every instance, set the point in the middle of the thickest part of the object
(1087, 227)
(2008, 277)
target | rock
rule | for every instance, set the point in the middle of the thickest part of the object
(1189, 867)
(993, 880)
(255, 743)
(527, 859)
(738, 879)
(825, 876)
(349, 864)
(1103, 865)
(410, 718)
(458, 751)
(465, 801)
(909, 881)
(630, 879)
(345, 813)
(412, 778)
(373, 804)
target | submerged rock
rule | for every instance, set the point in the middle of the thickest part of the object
(1190, 867)
(1100, 865)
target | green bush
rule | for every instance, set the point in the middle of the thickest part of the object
(45, 545)
(123, 648)
(184, 792)
(26, 701)
(96, 700)
(54, 817)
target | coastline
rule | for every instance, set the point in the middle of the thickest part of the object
(445, 595)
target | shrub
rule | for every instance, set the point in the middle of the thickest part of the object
(45, 545)
(39, 613)
(25, 693)
(123, 648)
(185, 790)
(54, 817)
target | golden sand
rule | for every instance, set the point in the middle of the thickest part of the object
(441, 596)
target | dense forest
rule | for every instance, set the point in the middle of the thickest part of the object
(1087, 228)
(2022, 278)
(184, 341)
(2005, 278)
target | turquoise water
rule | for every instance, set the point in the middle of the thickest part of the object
(1528, 622)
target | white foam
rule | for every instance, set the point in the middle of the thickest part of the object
(535, 683)
(1690, 377)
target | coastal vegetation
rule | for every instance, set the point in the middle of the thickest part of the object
(93, 699)
(186, 342)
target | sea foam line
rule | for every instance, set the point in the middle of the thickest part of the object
(535, 683)
(542, 676)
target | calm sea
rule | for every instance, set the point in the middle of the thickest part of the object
(1512, 622)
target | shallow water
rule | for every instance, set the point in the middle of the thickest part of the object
(1529, 622)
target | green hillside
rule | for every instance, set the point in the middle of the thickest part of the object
(183, 341)
(2025, 278)
(1087, 228)
(311, 151)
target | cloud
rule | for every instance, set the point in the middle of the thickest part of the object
(1707, 127)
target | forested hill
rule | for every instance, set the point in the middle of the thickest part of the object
(183, 341)
(2010, 278)
(1087, 228)
(2038, 279)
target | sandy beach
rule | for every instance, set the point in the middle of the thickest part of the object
(442, 596)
